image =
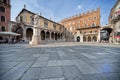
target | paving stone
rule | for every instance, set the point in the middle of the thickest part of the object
(71, 73)
(35, 55)
(51, 72)
(61, 53)
(41, 62)
(53, 56)
(88, 55)
(106, 68)
(17, 72)
(32, 74)
(70, 50)
(60, 63)
(2, 71)
(8, 64)
(84, 67)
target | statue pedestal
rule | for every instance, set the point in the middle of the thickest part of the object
(35, 40)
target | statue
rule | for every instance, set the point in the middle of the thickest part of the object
(36, 18)
(36, 38)
(104, 35)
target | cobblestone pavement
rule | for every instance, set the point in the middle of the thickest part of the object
(81, 62)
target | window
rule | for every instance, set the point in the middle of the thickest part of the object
(45, 23)
(5, 1)
(2, 18)
(32, 20)
(86, 25)
(78, 27)
(90, 31)
(89, 19)
(2, 9)
(93, 24)
(21, 18)
(2, 28)
(95, 18)
(54, 26)
(84, 32)
(60, 28)
(95, 31)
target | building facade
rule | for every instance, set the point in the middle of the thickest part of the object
(49, 30)
(114, 21)
(5, 9)
(84, 27)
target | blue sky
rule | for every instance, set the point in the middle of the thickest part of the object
(60, 9)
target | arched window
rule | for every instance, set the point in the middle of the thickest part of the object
(45, 23)
(90, 31)
(2, 9)
(54, 26)
(3, 18)
(2, 28)
(93, 24)
(89, 39)
(86, 25)
(95, 18)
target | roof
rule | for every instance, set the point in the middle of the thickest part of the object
(9, 34)
(34, 14)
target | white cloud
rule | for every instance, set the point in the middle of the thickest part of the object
(79, 7)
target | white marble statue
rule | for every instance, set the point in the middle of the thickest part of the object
(36, 19)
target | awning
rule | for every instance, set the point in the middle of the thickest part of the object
(9, 34)
(116, 36)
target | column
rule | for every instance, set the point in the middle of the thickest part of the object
(50, 36)
(54, 36)
(24, 33)
(45, 35)
(81, 38)
(98, 37)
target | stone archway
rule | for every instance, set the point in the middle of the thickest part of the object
(56, 36)
(52, 36)
(42, 35)
(78, 38)
(47, 35)
(18, 29)
(84, 39)
(29, 33)
(94, 39)
(89, 39)
(61, 36)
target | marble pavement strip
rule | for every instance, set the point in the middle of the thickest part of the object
(84, 67)
(16, 72)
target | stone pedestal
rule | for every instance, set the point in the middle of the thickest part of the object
(36, 38)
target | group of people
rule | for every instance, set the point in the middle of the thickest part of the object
(6, 40)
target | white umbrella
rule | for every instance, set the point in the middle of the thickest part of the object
(9, 34)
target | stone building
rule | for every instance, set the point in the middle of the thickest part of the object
(4, 14)
(84, 27)
(114, 21)
(49, 30)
